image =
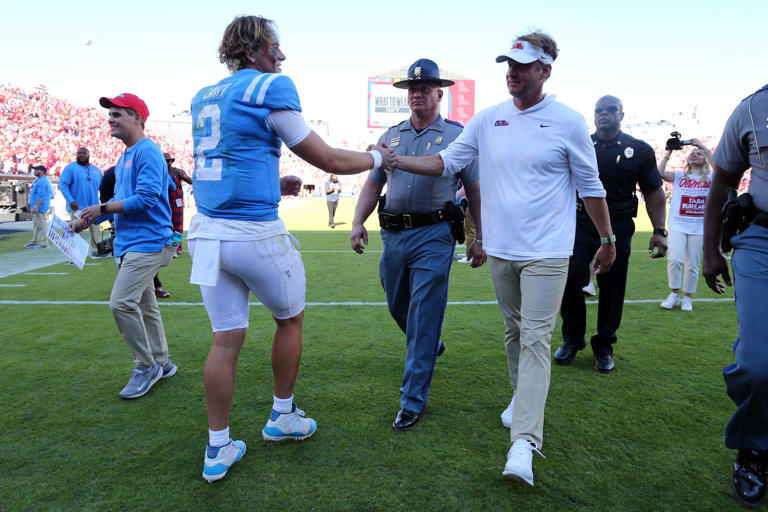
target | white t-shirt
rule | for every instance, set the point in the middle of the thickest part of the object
(686, 207)
(532, 162)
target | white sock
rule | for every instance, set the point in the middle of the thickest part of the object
(282, 405)
(218, 438)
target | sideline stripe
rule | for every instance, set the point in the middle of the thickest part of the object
(456, 303)
(45, 273)
(348, 251)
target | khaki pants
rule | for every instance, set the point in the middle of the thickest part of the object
(95, 237)
(529, 295)
(40, 228)
(134, 306)
(470, 230)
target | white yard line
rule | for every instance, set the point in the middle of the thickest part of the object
(311, 304)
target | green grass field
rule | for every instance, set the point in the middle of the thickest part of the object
(647, 437)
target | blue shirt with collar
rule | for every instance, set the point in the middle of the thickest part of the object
(41, 191)
(412, 193)
(80, 183)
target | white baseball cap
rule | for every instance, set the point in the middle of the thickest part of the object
(524, 53)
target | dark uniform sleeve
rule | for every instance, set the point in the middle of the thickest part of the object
(107, 186)
(648, 176)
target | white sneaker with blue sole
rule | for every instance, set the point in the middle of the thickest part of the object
(219, 460)
(291, 425)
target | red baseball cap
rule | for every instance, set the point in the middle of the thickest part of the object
(126, 100)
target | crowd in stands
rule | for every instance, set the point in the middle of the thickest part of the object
(39, 128)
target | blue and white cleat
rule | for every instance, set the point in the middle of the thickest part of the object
(218, 460)
(292, 425)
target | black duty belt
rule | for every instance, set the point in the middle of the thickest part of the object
(402, 221)
(617, 211)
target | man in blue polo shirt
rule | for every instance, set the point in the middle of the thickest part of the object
(143, 241)
(40, 199)
(79, 183)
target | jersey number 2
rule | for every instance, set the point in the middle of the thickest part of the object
(213, 171)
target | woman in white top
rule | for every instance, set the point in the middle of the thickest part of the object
(686, 223)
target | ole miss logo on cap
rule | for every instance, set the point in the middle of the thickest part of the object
(501, 122)
(517, 46)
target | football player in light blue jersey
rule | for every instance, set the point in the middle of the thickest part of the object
(238, 243)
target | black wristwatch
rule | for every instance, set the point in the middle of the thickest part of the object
(660, 231)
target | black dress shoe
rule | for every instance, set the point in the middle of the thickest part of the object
(748, 480)
(566, 353)
(441, 349)
(405, 420)
(604, 363)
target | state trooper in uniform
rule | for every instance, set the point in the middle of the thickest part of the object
(417, 220)
(623, 162)
(744, 144)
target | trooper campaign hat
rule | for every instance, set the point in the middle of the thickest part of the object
(421, 71)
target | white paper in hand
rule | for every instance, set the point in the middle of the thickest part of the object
(68, 242)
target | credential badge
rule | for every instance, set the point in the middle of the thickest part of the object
(629, 152)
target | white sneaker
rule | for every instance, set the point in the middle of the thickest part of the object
(590, 289)
(687, 304)
(218, 461)
(519, 461)
(290, 425)
(671, 301)
(506, 416)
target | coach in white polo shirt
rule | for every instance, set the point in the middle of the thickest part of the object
(534, 154)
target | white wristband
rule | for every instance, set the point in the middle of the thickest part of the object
(376, 159)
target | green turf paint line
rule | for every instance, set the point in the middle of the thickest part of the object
(18, 262)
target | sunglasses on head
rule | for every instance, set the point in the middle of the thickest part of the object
(611, 109)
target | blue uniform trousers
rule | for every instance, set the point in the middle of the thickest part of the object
(747, 379)
(414, 269)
